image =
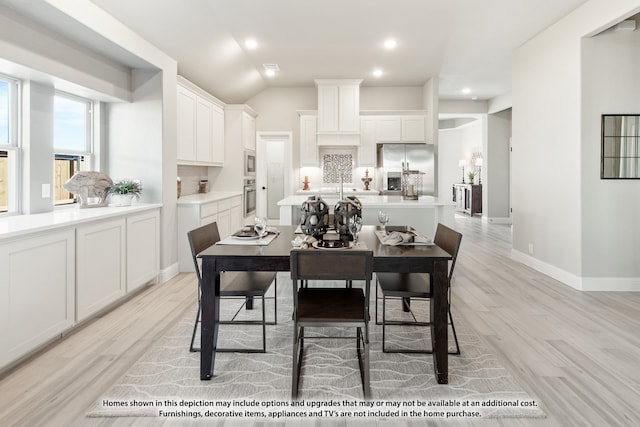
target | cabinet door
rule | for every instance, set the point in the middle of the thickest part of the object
(187, 101)
(328, 108)
(224, 223)
(249, 131)
(413, 129)
(100, 265)
(143, 249)
(349, 108)
(388, 129)
(308, 143)
(217, 142)
(204, 131)
(367, 148)
(236, 218)
(37, 288)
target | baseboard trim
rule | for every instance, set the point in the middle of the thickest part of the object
(496, 220)
(604, 284)
(168, 273)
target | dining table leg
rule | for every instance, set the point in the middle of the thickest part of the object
(210, 317)
(439, 320)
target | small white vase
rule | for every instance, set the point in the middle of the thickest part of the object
(121, 199)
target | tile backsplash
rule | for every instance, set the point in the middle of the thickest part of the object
(335, 164)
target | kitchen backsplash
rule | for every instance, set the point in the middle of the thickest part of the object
(335, 164)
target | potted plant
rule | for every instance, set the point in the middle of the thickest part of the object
(471, 176)
(123, 192)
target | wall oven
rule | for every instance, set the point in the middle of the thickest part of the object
(249, 197)
(249, 163)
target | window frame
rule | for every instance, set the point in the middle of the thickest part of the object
(88, 154)
(13, 146)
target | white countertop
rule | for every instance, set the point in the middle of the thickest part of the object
(334, 191)
(212, 196)
(18, 225)
(374, 201)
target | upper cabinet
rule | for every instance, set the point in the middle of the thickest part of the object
(402, 126)
(200, 126)
(248, 131)
(308, 135)
(338, 112)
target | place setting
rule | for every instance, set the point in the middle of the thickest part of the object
(397, 235)
(258, 234)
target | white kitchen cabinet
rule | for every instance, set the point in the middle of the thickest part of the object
(37, 284)
(388, 129)
(338, 111)
(413, 129)
(308, 138)
(100, 265)
(186, 107)
(143, 249)
(367, 147)
(408, 128)
(200, 126)
(193, 212)
(248, 131)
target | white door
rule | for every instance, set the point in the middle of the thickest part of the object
(273, 154)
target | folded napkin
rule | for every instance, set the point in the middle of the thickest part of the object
(396, 238)
(303, 241)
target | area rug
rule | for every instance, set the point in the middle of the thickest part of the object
(165, 381)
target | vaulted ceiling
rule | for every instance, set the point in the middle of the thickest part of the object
(465, 43)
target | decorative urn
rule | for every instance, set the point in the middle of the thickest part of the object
(314, 217)
(343, 212)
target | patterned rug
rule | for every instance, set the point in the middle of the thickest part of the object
(165, 381)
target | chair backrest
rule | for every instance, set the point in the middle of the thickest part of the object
(449, 240)
(331, 265)
(200, 239)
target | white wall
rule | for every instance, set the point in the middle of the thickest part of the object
(454, 145)
(610, 224)
(496, 167)
(547, 163)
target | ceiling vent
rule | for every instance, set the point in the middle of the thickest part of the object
(628, 25)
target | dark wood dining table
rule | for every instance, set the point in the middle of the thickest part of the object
(275, 257)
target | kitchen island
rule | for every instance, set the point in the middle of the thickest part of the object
(423, 214)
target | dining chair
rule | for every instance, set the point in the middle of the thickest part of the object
(233, 284)
(407, 286)
(331, 306)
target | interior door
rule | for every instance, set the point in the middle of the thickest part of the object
(274, 173)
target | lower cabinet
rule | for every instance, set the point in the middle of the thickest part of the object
(100, 265)
(37, 284)
(51, 281)
(227, 213)
(143, 249)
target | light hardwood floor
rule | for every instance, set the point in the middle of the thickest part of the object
(575, 352)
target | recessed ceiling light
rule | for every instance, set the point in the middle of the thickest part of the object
(270, 69)
(474, 98)
(390, 44)
(250, 44)
(377, 72)
(466, 90)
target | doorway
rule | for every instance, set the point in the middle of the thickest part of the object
(273, 152)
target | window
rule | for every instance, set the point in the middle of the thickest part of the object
(8, 144)
(72, 141)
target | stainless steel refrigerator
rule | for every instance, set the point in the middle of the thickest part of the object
(393, 157)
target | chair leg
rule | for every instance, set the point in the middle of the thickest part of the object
(455, 336)
(366, 385)
(384, 322)
(295, 374)
(264, 327)
(192, 349)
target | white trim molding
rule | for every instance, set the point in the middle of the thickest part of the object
(611, 284)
